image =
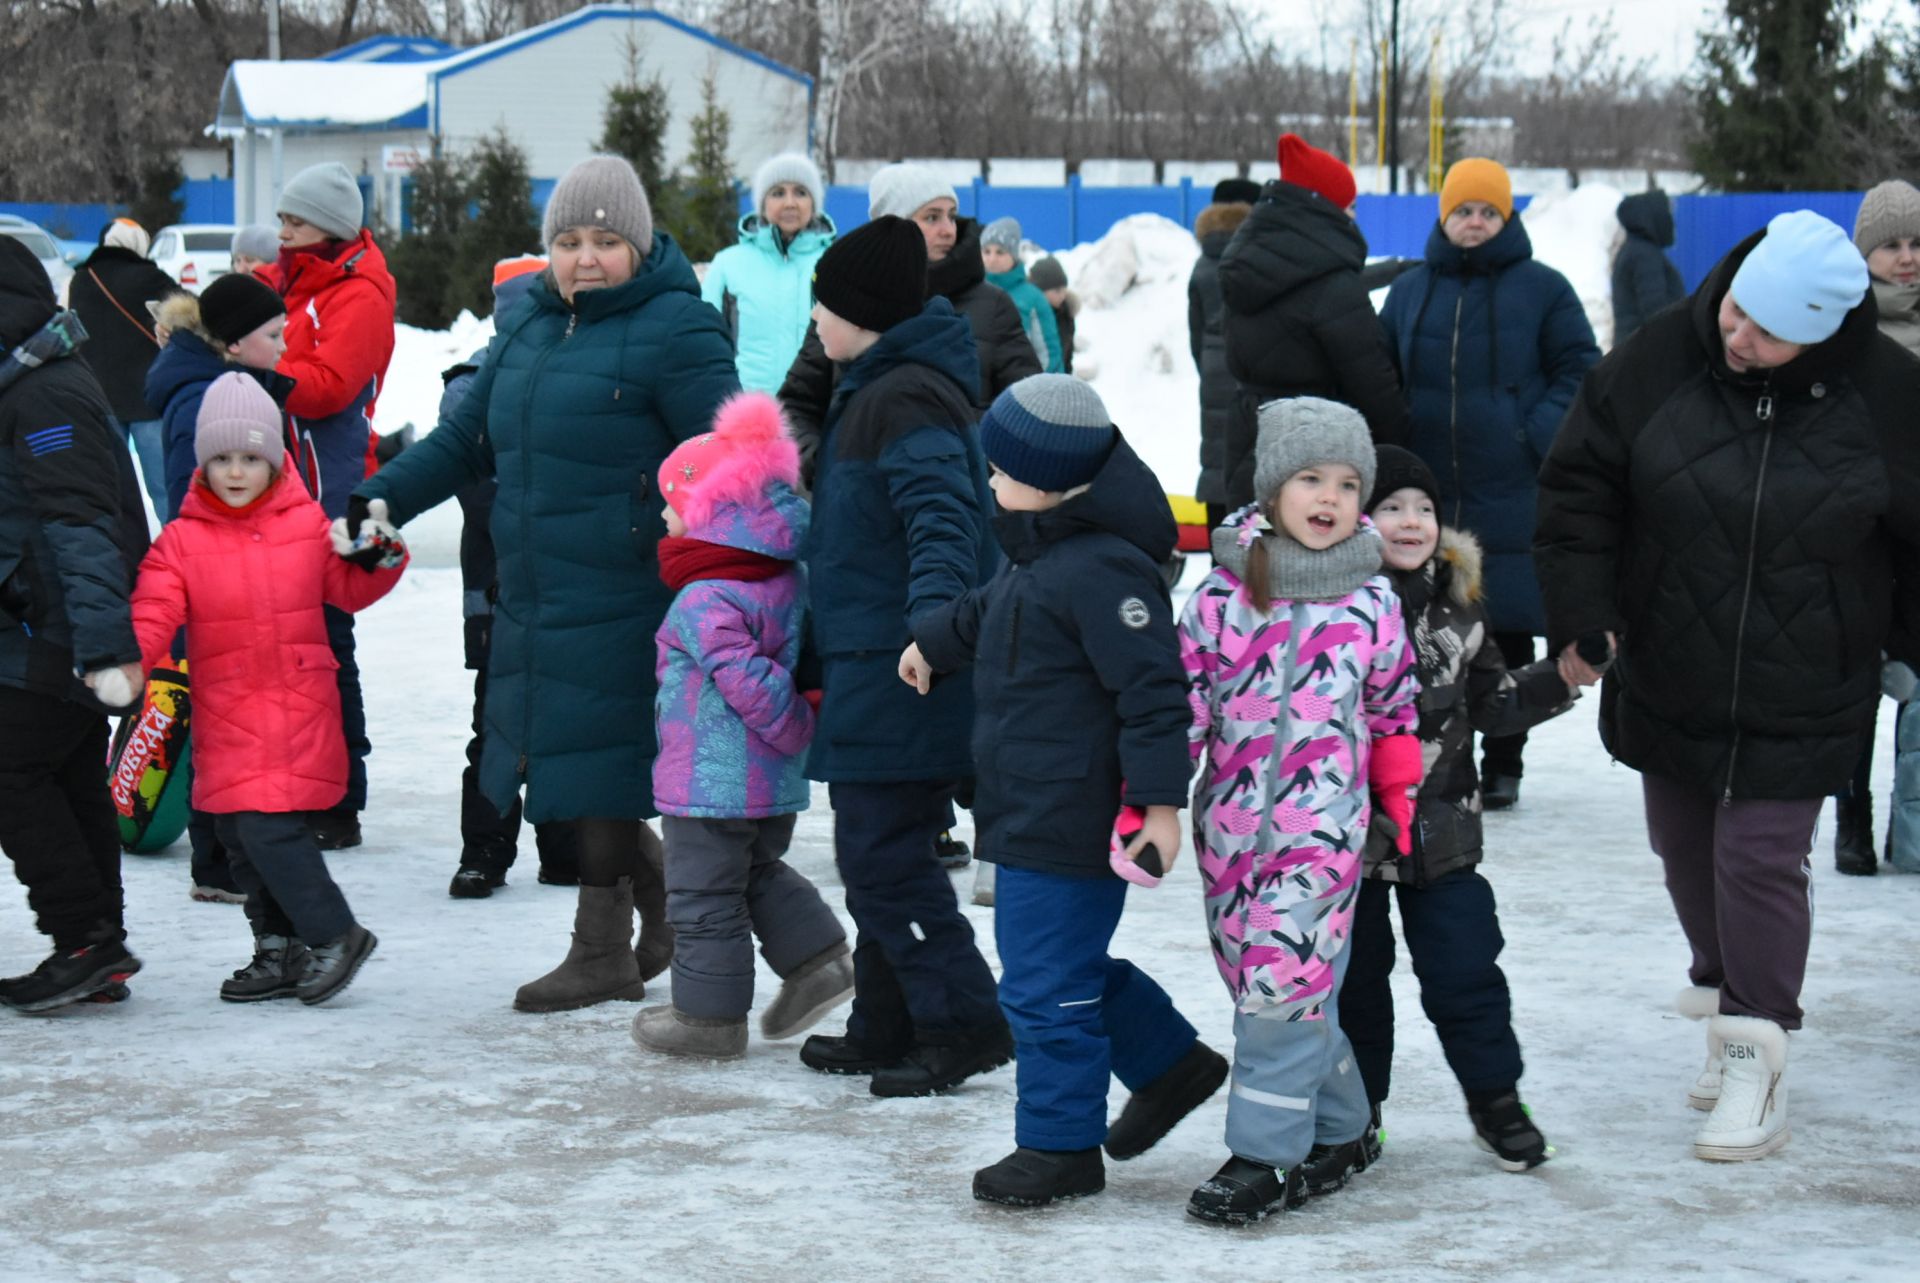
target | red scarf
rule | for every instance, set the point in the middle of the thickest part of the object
(683, 560)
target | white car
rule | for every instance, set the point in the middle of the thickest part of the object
(194, 253)
(44, 248)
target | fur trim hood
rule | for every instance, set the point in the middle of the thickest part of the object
(1461, 566)
(1224, 217)
(181, 311)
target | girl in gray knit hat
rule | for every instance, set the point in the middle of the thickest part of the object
(1303, 692)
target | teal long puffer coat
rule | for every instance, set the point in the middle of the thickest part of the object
(765, 291)
(576, 408)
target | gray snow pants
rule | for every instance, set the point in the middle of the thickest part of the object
(1742, 886)
(726, 884)
(1295, 1083)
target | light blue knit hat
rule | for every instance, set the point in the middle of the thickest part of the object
(1802, 279)
(1048, 431)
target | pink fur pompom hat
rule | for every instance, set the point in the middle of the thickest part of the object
(747, 448)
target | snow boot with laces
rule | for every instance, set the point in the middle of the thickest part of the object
(278, 963)
(1750, 1119)
(599, 966)
(331, 967)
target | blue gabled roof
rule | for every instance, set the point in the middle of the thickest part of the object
(392, 49)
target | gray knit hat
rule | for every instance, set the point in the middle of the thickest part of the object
(902, 189)
(788, 167)
(1004, 232)
(1048, 431)
(1047, 274)
(258, 241)
(1301, 431)
(1888, 210)
(325, 196)
(601, 191)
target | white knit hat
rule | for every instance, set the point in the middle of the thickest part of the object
(787, 167)
(124, 233)
(902, 189)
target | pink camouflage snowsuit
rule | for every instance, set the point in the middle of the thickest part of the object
(1286, 706)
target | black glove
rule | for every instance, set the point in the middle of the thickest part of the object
(356, 513)
(1594, 649)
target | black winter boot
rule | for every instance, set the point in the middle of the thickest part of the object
(1036, 1177)
(836, 1054)
(931, 1068)
(1504, 1128)
(278, 964)
(954, 854)
(331, 967)
(1242, 1192)
(335, 830)
(1157, 1108)
(472, 882)
(69, 976)
(1853, 851)
(1329, 1167)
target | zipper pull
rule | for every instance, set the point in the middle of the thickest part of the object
(573, 319)
(1762, 409)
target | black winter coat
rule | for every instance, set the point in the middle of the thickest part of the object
(1006, 354)
(1644, 279)
(120, 339)
(1076, 673)
(479, 563)
(1299, 322)
(1751, 541)
(1207, 340)
(72, 526)
(1465, 686)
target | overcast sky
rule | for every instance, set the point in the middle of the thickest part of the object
(1662, 30)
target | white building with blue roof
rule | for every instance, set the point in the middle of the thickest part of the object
(374, 104)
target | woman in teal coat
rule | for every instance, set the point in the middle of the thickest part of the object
(763, 285)
(611, 362)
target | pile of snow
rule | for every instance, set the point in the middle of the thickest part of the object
(1575, 232)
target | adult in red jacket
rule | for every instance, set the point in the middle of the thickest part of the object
(339, 339)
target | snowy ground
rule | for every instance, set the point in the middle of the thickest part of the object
(418, 1128)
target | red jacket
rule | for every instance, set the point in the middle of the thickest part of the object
(339, 341)
(249, 584)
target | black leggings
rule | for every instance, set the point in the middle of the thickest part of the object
(611, 849)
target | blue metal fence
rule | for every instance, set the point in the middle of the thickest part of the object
(205, 200)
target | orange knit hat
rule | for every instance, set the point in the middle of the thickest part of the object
(1477, 178)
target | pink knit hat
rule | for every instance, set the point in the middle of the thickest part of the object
(238, 417)
(747, 448)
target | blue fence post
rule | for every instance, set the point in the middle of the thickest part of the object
(1073, 209)
(1186, 201)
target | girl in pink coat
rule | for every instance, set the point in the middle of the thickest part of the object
(1303, 693)
(249, 565)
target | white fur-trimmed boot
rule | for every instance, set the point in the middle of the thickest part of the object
(1750, 1119)
(1697, 1002)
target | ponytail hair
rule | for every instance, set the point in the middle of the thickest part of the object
(1259, 582)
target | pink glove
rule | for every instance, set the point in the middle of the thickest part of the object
(1148, 869)
(1393, 769)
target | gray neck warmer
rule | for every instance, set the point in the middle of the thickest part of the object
(1296, 572)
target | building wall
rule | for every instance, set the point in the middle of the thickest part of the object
(550, 94)
(359, 151)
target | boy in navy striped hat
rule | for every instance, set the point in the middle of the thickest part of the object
(1081, 706)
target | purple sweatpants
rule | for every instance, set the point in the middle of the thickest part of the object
(1740, 880)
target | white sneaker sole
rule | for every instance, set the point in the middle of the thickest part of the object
(1713, 1153)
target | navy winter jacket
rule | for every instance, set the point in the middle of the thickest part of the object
(1644, 279)
(1076, 672)
(575, 409)
(1492, 347)
(176, 382)
(900, 529)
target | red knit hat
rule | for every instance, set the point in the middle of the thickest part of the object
(1305, 165)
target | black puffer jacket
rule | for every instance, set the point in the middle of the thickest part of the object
(1207, 338)
(1465, 686)
(1299, 322)
(1076, 672)
(111, 291)
(1006, 354)
(1644, 279)
(72, 527)
(1750, 539)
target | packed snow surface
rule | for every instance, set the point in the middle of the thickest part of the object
(418, 1128)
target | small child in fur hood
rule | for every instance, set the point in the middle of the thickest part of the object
(1446, 908)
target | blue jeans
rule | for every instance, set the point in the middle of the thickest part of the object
(1079, 1017)
(150, 450)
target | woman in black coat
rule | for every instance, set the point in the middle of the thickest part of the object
(110, 292)
(1644, 278)
(1726, 515)
(1206, 338)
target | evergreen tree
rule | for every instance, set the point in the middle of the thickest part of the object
(635, 121)
(156, 204)
(1783, 104)
(502, 221)
(422, 262)
(708, 206)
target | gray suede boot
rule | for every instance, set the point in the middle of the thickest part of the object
(600, 965)
(814, 988)
(653, 950)
(672, 1032)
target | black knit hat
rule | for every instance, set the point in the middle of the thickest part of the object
(876, 275)
(1236, 191)
(1047, 274)
(236, 305)
(1397, 468)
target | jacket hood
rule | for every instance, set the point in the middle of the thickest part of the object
(1507, 246)
(1649, 215)
(1223, 218)
(26, 295)
(1461, 566)
(773, 527)
(1123, 499)
(1821, 363)
(287, 491)
(311, 273)
(765, 237)
(665, 270)
(188, 358)
(962, 268)
(181, 311)
(939, 338)
(1291, 237)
